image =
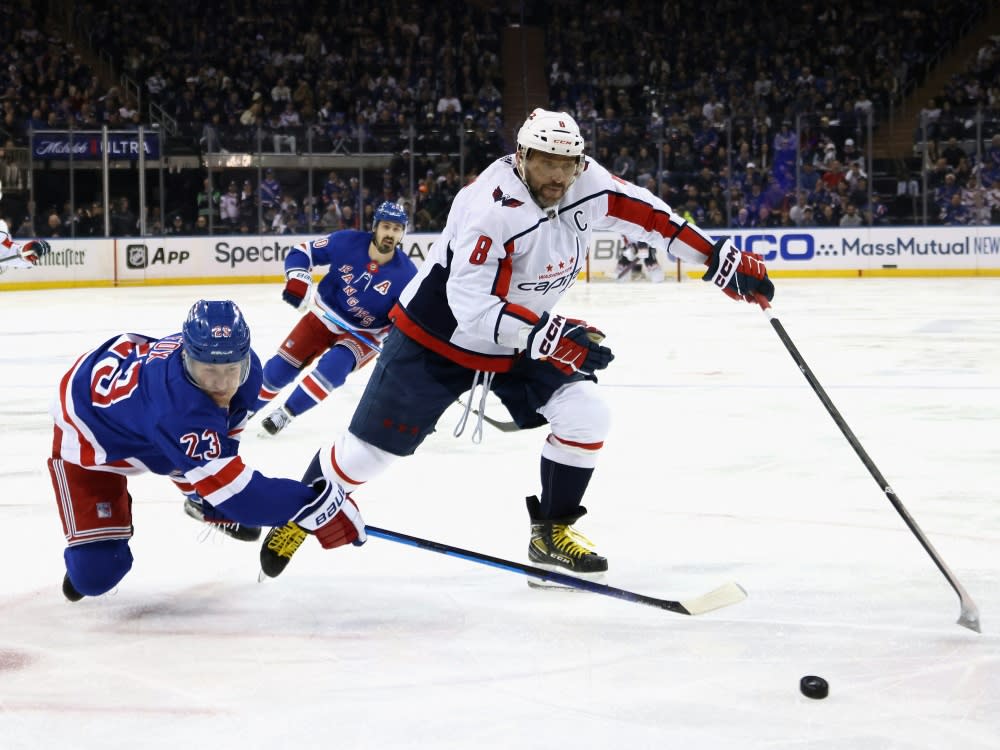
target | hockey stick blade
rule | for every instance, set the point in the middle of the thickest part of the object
(724, 596)
(969, 615)
(502, 426)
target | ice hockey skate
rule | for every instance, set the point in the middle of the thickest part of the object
(207, 514)
(276, 421)
(555, 545)
(279, 546)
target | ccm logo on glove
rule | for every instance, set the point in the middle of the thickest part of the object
(569, 345)
(739, 274)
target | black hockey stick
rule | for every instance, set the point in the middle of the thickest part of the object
(725, 595)
(969, 616)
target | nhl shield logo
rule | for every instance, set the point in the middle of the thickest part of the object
(136, 256)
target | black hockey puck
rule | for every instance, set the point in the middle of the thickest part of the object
(814, 687)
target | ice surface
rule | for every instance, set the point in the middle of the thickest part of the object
(722, 465)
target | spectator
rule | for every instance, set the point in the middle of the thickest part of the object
(176, 226)
(207, 201)
(53, 226)
(229, 206)
(329, 221)
(624, 165)
(248, 204)
(851, 217)
(280, 93)
(953, 153)
(123, 220)
(200, 225)
(270, 190)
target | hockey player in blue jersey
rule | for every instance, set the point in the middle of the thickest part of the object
(174, 406)
(368, 270)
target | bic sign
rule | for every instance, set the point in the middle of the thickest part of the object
(788, 247)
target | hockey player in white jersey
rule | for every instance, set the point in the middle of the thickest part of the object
(480, 311)
(19, 254)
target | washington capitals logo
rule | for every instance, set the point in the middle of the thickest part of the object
(505, 200)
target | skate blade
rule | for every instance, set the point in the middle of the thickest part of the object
(539, 583)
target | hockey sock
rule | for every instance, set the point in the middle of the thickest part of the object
(563, 488)
(300, 401)
(329, 374)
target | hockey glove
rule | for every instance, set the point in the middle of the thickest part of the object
(569, 345)
(32, 250)
(740, 275)
(297, 284)
(332, 517)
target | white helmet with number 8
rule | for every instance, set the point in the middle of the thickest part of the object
(551, 132)
(554, 133)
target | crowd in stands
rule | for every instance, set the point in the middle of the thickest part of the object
(759, 121)
(733, 121)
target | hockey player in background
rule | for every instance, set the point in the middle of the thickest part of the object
(368, 270)
(480, 311)
(19, 254)
(633, 257)
(175, 406)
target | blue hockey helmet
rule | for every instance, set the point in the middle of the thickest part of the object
(389, 211)
(215, 333)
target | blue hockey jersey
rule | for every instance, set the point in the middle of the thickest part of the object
(356, 290)
(128, 406)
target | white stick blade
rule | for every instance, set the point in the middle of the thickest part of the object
(970, 616)
(724, 596)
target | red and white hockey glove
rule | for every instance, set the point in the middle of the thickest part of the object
(569, 345)
(297, 284)
(332, 517)
(32, 250)
(740, 275)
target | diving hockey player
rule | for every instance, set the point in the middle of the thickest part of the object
(174, 406)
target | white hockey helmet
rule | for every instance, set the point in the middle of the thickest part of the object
(551, 132)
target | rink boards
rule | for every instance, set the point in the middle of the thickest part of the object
(882, 251)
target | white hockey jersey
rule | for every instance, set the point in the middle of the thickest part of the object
(502, 260)
(10, 252)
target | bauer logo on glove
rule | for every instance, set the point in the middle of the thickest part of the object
(297, 285)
